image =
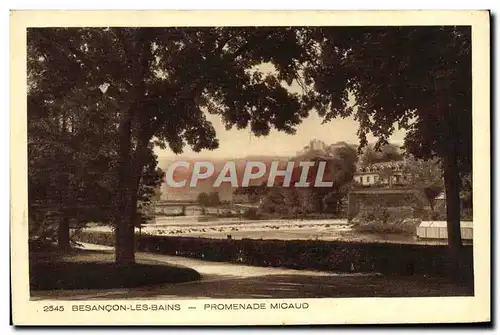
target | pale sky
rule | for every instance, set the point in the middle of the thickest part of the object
(239, 143)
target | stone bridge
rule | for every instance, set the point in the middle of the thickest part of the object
(173, 207)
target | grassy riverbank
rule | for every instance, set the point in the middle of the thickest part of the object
(51, 269)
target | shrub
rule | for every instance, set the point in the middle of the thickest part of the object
(387, 219)
(385, 258)
(429, 215)
(466, 214)
(251, 214)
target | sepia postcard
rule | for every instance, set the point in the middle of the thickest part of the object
(250, 168)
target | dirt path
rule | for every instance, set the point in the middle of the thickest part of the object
(223, 269)
(229, 281)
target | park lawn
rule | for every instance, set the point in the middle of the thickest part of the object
(83, 269)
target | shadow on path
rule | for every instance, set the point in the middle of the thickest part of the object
(226, 281)
(280, 286)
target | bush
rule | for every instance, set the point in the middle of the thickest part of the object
(387, 258)
(466, 214)
(429, 215)
(387, 219)
(251, 214)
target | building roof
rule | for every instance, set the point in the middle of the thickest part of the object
(398, 165)
(442, 224)
(362, 173)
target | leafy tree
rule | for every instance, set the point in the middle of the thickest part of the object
(339, 169)
(311, 200)
(425, 175)
(292, 201)
(387, 153)
(214, 199)
(203, 199)
(343, 165)
(71, 175)
(69, 152)
(254, 192)
(369, 156)
(68, 165)
(332, 202)
(431, 192)
(149, 188)
(274, 201)
(72, 150)
(416, 78)
(466, 194)
(160, 81)
(157, 193)
(386, 173)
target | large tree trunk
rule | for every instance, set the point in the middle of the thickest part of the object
(452, 188)
(124, 230)
(124, 233)
(126, 217)
(63, 227)
(130, 168)
(124, 238)
(63, 234)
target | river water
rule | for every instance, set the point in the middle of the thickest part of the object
(236, 228)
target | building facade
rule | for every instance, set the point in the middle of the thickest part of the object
(382, 174)
(314, 145)
(366, 178)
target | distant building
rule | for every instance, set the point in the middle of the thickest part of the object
(317, 145)
(314, 145)
(384, 174)
(366, 177)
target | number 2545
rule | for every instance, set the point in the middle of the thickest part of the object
(53, 308)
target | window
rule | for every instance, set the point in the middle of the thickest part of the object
(361, 179)
(368, 179)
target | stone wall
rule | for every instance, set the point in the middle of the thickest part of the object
(385, 198)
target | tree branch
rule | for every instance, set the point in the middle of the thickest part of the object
(67, 49)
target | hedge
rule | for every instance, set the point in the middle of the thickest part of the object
(385, 258)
